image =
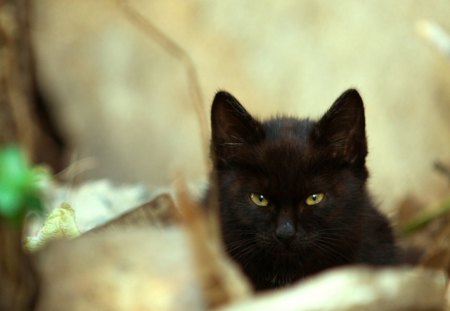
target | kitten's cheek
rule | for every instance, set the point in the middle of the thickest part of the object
(301, 209)
(251, 216)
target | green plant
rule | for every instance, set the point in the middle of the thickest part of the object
(19, 185)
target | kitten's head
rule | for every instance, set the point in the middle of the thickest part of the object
(289, 186)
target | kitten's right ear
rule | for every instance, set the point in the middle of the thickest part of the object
(231, 125)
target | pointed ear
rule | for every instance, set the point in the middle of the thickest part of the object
(342, 129)
(231, 126)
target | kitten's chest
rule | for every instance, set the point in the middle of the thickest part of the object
(274, 272)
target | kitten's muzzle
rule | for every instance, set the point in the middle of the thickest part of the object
(285, 231)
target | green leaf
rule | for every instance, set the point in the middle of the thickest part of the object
(19, 185)
(10, 201)
(14, 171)
(425, 218)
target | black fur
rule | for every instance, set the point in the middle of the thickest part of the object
(286, 160)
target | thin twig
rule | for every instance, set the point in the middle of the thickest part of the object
(176, 51)
(443, 169)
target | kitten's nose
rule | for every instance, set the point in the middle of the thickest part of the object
(285, 230)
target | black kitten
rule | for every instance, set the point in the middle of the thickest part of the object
(293, 198)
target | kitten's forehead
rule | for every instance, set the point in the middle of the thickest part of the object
(282, 128)
(286, 150)
(287, 158)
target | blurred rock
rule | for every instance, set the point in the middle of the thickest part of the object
(159, 212)
(143, 260)
(143, 268)
(117, 95)
(98, 201)
(357, 288)
(139, 269)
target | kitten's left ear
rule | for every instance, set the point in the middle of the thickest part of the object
(342, 129)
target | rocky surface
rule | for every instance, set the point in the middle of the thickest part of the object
(357, 288)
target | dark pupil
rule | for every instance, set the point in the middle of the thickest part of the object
(314, 197)
(261, 197)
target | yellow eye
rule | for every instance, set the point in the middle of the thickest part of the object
(259, 199)
(314, 199)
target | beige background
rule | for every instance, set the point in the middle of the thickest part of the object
(120, 98)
